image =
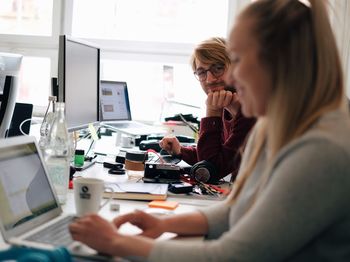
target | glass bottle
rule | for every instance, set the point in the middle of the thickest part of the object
(57, 153)
(47, 122)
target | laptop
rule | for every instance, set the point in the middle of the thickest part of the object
(30, 214)
(115, 112)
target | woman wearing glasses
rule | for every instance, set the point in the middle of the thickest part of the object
(224, 129)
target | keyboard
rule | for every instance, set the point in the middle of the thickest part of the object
(56, 234)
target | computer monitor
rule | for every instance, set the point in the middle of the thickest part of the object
(10, 65)
(78, 81)
(7, 104)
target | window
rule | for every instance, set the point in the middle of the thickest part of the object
(26, 17)
(149, 31)
(185, 21)
(154, 90)
(34, 81)
(145, 43)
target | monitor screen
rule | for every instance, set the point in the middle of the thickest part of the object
(10, 65)
(114, 101)
(78, 81)
(20, 200)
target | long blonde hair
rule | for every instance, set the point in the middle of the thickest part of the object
(298, 47)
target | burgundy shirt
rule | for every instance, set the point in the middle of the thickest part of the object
(220, 141)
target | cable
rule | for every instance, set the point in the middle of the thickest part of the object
(20, 126)
(44, 124)
(22, 123)
(92, 142)
(158, 155)
(191, 126)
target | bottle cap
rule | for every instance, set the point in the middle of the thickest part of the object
(137, 156)
(79, 152)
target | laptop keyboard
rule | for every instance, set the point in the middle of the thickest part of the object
(56, 234)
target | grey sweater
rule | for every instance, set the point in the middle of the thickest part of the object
(303, 213)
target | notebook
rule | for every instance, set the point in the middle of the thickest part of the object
(115, 112)
(28, 203)
(137, 191)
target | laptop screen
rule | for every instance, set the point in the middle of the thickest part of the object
(25, 192)
(114, 101)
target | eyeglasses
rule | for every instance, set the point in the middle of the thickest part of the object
(216, 70)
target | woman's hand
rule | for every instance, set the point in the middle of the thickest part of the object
(95, 232)
(217, 101)
(151, 226)
(171, 144)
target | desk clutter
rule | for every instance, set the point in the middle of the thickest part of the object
(137, 191)
(153, 174)
(152, 142)
(170, 205)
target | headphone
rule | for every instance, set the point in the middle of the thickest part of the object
(119, 171)
(204, 171)
(114, 168)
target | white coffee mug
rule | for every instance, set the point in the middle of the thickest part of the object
(88, 193)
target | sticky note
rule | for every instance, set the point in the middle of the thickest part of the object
(171, 205)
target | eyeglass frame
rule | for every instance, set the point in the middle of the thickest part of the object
(210, 69)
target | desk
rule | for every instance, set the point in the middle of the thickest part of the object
(126, 206)
(107, 146)
(98, 171)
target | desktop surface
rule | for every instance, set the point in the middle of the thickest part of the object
(186, 204)
(126, 206)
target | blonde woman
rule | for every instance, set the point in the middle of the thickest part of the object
(291, 200)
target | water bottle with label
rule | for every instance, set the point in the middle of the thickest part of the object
(57, 153)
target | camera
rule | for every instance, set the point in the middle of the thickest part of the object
(162, 173)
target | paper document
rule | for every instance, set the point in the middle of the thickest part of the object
(138, 191)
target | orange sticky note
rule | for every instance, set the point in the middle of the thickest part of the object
(163, 204)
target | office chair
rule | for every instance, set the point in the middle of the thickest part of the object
(7, 104)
